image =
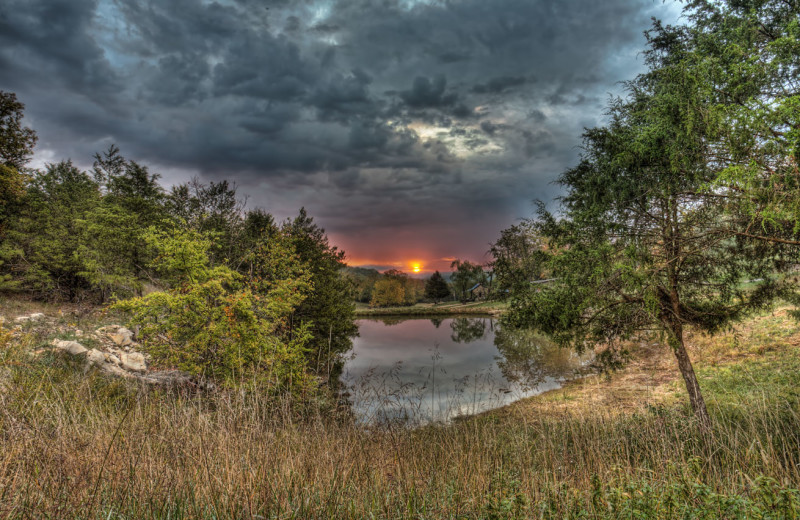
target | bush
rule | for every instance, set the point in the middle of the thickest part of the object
(215, 322)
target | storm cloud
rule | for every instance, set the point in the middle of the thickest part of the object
(410, 130)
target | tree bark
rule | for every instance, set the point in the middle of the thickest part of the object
(689, 377)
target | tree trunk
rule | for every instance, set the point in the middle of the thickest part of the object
(687, 371)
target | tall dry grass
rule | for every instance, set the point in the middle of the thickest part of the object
(83, 446)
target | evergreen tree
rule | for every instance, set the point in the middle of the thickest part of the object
(748, 52)
(436, 288)
(640, 245)
(16, 146)
(115, 252)
(211, 208)
(328, 311)
(16, 141)
(51, 230)
(211, 321)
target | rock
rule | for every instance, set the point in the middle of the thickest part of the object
(113, 358)
(95, 357)
(71, 347)
(115, 370)
(133, 361)
(122, 337)
(36, 316)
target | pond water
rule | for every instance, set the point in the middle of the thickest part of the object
(419, 370)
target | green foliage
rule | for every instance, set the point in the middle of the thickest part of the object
(465, 276)
(214, 322)
(467, 330)
(328, 311)
(518, 258)
(388, 292)
(748, 53)
(362, 281)
(641, 245)
(67, 234)
(211, 208)
(44, 243)
(114, 251)
(436, 288)
(16, 145)
(16, 141)
(630, 498)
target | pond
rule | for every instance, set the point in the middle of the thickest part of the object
(421, 370)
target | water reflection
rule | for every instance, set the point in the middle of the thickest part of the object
(467, 330)
(419, 370)
(529, 358)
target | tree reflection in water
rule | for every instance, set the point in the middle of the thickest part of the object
(433, 369)
(466, 330)
(529, 358)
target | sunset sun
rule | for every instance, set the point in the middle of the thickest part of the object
(416, 268)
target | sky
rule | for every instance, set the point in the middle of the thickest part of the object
(412, 131)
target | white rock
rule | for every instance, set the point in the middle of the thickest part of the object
(114, 359)
(122, 337)
(36, 316)
(95, 357)
(133, 361)
(71, 347)
(115, 370)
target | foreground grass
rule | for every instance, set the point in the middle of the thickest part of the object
(429, 309)
(81, 445)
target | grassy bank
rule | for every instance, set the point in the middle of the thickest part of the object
(82, 445)
(429, 309)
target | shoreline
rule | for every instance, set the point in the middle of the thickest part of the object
(493, 309)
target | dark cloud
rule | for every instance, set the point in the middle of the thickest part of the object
(429, 93)
(433, 124)
(498, 85)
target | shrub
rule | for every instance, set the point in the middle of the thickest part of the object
(215, 322)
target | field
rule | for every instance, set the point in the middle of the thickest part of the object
(81, 445)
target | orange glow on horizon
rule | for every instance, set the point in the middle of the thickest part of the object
(413, 267)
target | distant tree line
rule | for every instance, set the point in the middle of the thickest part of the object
(217, 289)
(395, 288)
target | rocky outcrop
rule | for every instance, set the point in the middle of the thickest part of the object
(116, 354)
(111, 349)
